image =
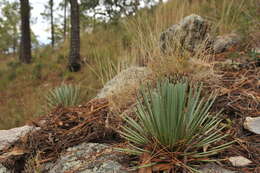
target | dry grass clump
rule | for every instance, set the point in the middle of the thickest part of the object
(112, 48)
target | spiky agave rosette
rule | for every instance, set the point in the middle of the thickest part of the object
(174, 126)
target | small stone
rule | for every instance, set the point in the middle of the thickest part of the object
(224, 42)
(213, 168)
(252, 124)
(239, 161)
(3, 169)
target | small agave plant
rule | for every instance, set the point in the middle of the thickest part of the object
(64, 95)
(174, 126)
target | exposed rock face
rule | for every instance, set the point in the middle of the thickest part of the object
(190, 33)
(239, 161)
(252, 124)
(9, 137)
(223, 43)
(213, 168)
(126, 80)
(88, 158)
(3, 169)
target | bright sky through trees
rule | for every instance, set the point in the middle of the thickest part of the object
(40, 26)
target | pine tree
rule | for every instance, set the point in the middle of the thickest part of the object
(25, 50)
(48, 14)
(52, 23)
(74, 56)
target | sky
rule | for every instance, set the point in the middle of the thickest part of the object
(40, 26)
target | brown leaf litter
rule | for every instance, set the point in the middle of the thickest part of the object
(64, 128)
(238, 96)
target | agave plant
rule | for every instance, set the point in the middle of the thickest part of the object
(173, 123)
(64, 95)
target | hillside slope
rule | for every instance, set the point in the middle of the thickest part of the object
(109, 49)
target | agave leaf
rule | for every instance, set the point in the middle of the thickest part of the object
(175, 118)
(65, 95)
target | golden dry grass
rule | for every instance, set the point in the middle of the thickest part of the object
(111, 48)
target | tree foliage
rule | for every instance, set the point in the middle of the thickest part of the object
(114, 9)
(9, 26)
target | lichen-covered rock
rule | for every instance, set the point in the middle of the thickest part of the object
(252, 124)
(193, 34)
(125, 81)
(224, 42)
(190, 33)
(213, 168)
(9, 137)
(3, 169)
(88, 158)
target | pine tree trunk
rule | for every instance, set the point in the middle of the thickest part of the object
(65, 20)
(74, 56)
(25, 50)
(52, 24)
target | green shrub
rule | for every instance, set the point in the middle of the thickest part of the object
(37, 71)
(174, 124)
(1, 73)
(12, 75)
(13, 64)
(64, 95)
(61, 58)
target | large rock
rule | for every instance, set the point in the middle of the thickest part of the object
(9, 137)
(88, 158)
(190, 33)
(223, 43)
(125, 81)
(193, 34)
(252, 124)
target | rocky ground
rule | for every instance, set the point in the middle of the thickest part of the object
(82, 139)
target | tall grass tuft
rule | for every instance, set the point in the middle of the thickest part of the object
(174, 125)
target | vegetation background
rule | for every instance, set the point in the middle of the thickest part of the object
(112, 46)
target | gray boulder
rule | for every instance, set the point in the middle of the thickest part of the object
(9, 137)
(224, 42)
(88, 158)
(193, 33)
(190, 33)
(125, 81)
